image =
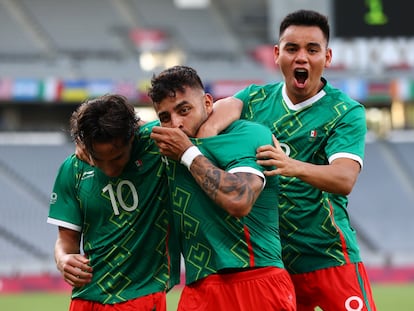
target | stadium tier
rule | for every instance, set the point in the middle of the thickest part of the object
(55, 54)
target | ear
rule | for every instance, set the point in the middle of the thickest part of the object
(276, 53)
(328, 57)
(208, 102)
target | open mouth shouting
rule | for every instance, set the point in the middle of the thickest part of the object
(301, 75)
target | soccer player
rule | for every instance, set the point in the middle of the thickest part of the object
(318, 155)
(224, 209)
(117, 209)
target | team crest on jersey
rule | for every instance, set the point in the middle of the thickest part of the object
(312, 135)
(138, 163)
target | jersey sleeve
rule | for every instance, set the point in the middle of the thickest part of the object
(348, 137)
(64, 208)
(244, 95)
(235, 149)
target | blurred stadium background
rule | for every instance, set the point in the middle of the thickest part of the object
(55, 54)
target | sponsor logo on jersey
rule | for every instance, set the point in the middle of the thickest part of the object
(87, 174)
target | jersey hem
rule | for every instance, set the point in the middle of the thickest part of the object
(317, 268)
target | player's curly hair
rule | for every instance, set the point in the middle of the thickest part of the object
(173, 80)
(103, 119)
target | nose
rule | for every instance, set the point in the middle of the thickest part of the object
(176, 122)
(301, 55)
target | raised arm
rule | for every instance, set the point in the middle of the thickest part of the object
(234, 192)
(225, 111)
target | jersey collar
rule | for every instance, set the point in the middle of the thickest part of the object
(303, 104)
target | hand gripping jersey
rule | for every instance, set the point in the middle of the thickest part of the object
(314, 225)
(211, 239)
(124, 222)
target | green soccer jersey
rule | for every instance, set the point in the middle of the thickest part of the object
(124, 223)
(211, 239)
(314, 225)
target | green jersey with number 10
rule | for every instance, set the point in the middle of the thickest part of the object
(124, 223)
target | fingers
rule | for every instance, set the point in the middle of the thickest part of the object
(266, 162)
(172, 142)
(78, 279)
(76, 270)
(270, 147)
(162, 136)
(271, 173)
(275, 142)
(156, 129)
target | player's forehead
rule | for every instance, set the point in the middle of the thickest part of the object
(302, 35)
(107, 151)
(188, 96)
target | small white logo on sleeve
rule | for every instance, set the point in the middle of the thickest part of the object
(53, 198)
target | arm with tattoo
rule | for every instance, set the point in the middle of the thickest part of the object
(236, 193)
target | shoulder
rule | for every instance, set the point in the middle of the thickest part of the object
(260, 91)
(247, 126)
(73, 163)
(144, 132)
(143, 143)
(146, 129)
(341, 97)
(249, 131)
(73, 168)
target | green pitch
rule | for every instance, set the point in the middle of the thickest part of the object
(387, 297)
(55, 301)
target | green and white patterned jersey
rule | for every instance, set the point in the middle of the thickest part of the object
(124, 222)
(314, 225)
(211, 239)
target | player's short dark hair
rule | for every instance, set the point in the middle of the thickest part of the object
(103, 119)
(306, 18)
(173, 80)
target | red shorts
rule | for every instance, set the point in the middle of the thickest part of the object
(338, 288)
(267, 288)
(151, 302)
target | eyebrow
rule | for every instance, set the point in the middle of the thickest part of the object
(176, 107)
(180, 104)
(314, 44)
(310, 44)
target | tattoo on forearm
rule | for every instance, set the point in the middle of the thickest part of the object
(214, 182)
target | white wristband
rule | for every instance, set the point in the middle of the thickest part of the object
(189, 155)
